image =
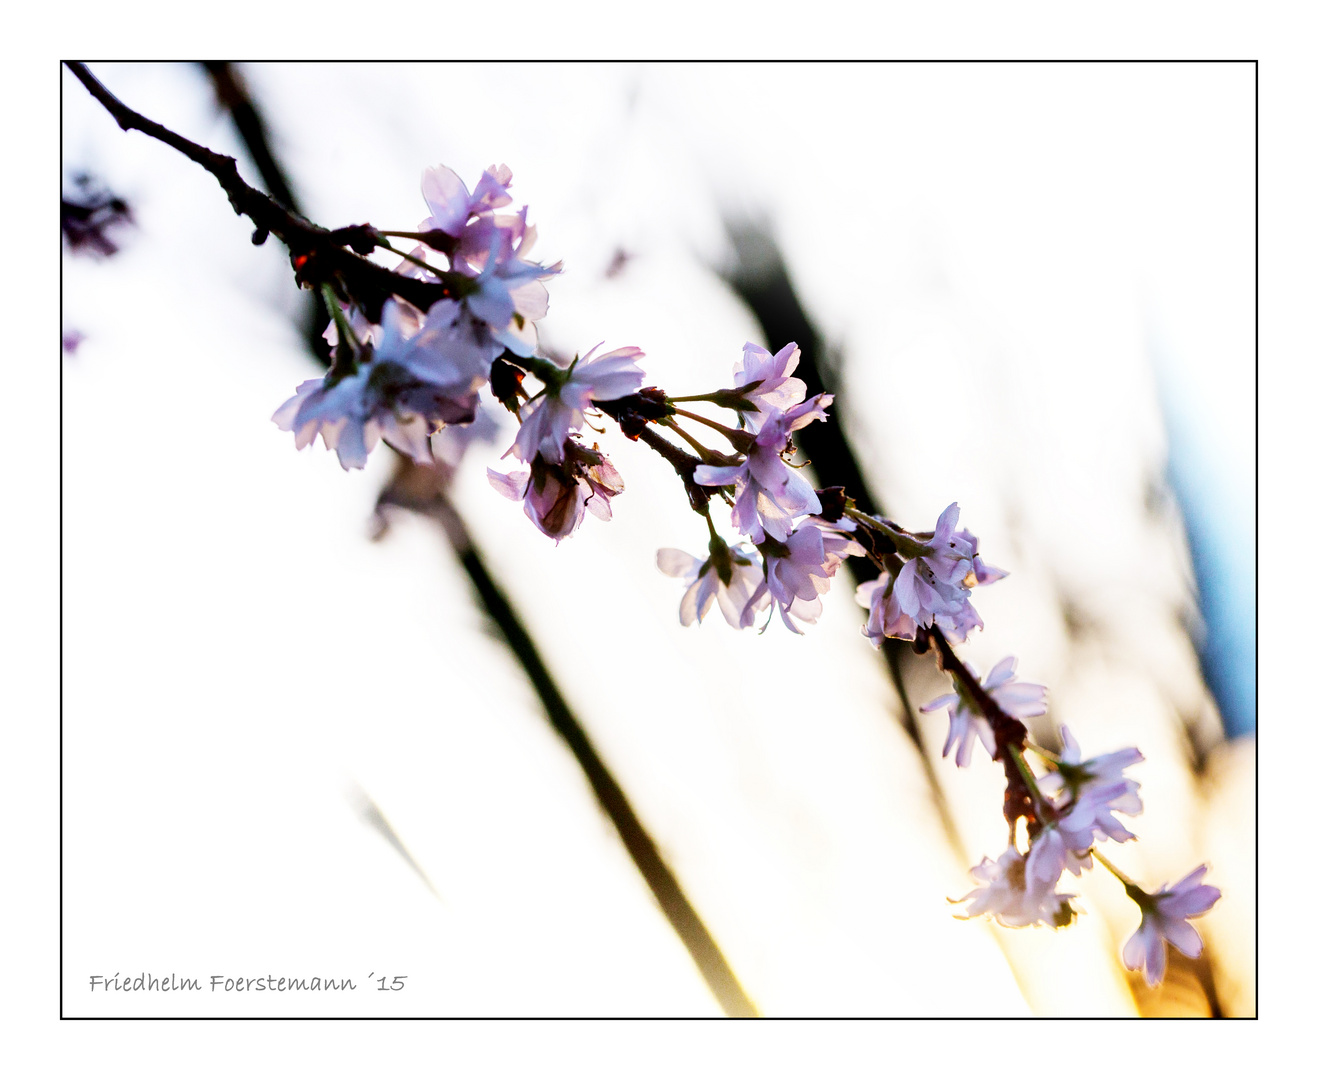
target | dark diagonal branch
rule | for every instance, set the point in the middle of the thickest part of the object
(319, 255)
(704, 950)
(760, 279)
(231, 91)
(233, 95)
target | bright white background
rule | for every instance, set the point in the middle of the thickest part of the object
(330, 481)
(242, 663)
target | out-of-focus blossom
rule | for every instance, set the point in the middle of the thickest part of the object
(556, 495)
(367, 332)
(769, 493)
(777, 390)
(1010, 895)
(560, 409)
(1016, 699)
(91, 216)
(731, 575)
(451, 444)
(452, 344)
(1164, 916)
(401, 390)
(800, 570)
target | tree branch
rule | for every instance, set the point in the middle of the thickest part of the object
(319, 255)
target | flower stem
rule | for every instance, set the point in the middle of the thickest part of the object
(410, 258)
(1047, 755)
(713, 532)
(1132, 890)
(907, 546)
(729, 398)
(1027, 775)
(705, 453)
(346, 336)
(741, 440)
(546, 371)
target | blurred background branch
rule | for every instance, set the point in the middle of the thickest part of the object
(423, 491)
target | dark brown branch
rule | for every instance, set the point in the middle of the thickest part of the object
(634, 415)
(233, 96)
(1007, 732)
(318, 255)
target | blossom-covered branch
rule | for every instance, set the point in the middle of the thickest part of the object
(414, 350)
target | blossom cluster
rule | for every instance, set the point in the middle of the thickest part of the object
(926, 582)
(789, 554)
(565, 478)
(406, 378)
(1075, 807)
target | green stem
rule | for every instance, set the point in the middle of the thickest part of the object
(713, 532)
(419, 237)
(1027, 774)
(705, 453)
(741, 440)
(547, 372)
(346, 336)
(1116, 873)
(410, 258)
(1047, 755)
(907, 546)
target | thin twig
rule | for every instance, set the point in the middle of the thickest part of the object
(318, 255)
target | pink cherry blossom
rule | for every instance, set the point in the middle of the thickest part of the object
(1087, 792)
(451, 204)
(800, 570)
(1016, 699)
(1010, 895)
(556, 495)
(1074, 774)
(506, 292)
(769, 493)
(886, 618)
(932, 585)
(776, 390)
(731, 575)
(1164, 920)
(400, 390)
(547, 420)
